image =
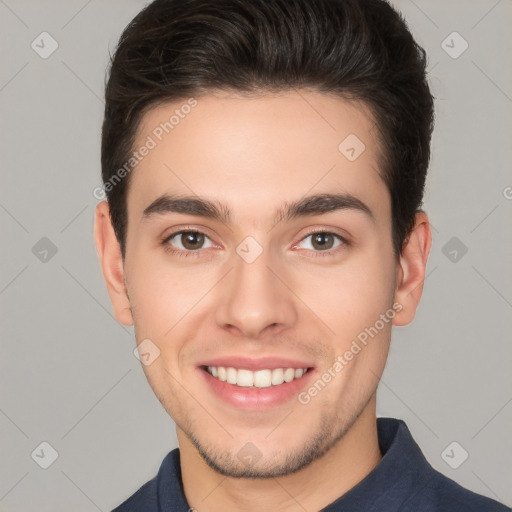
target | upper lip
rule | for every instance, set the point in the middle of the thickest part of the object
(261, 363)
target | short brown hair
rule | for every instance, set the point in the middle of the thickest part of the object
(357, 49)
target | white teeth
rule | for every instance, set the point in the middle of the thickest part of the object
(277, 376)
(263, 378)
(231, 374)
(258, 379)
(244, 378)
(289, 374)
(222, 373)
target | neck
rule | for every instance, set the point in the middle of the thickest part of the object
(313, 487)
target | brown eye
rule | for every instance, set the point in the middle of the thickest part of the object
(192, 240)
(323, 241)
(188, 241)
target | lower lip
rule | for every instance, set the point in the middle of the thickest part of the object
(256, 398)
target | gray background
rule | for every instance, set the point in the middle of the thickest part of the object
(68, 373)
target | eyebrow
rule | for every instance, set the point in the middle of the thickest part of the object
(308, 206)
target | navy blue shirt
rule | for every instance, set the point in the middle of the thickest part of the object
(403, 481)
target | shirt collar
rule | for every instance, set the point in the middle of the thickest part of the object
(402, 471)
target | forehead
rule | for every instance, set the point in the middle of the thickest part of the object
(250, 150)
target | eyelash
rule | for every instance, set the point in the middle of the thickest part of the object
(185, 254)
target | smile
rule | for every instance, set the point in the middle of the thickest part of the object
(258, 379)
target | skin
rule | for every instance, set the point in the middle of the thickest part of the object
(253, 153)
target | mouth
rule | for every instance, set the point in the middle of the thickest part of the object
(256, 385)
(264, 378)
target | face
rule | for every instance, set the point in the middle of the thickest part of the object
(258, 278)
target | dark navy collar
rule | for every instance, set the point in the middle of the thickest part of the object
(402, 470)
(402, 481)
(403, 467)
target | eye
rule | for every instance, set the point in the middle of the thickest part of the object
(323, 241)
(187, 241)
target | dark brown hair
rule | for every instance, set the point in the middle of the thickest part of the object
(357, 49)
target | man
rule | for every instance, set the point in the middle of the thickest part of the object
(264, 163)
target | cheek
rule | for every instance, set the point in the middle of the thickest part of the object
(349, 297)
(165, 304)
(162, 294)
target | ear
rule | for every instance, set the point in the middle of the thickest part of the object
(411, 270)
(109, 253)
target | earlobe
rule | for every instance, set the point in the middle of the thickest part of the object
(411, 272)
(109, 254)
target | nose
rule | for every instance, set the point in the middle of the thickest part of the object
(256, 298)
